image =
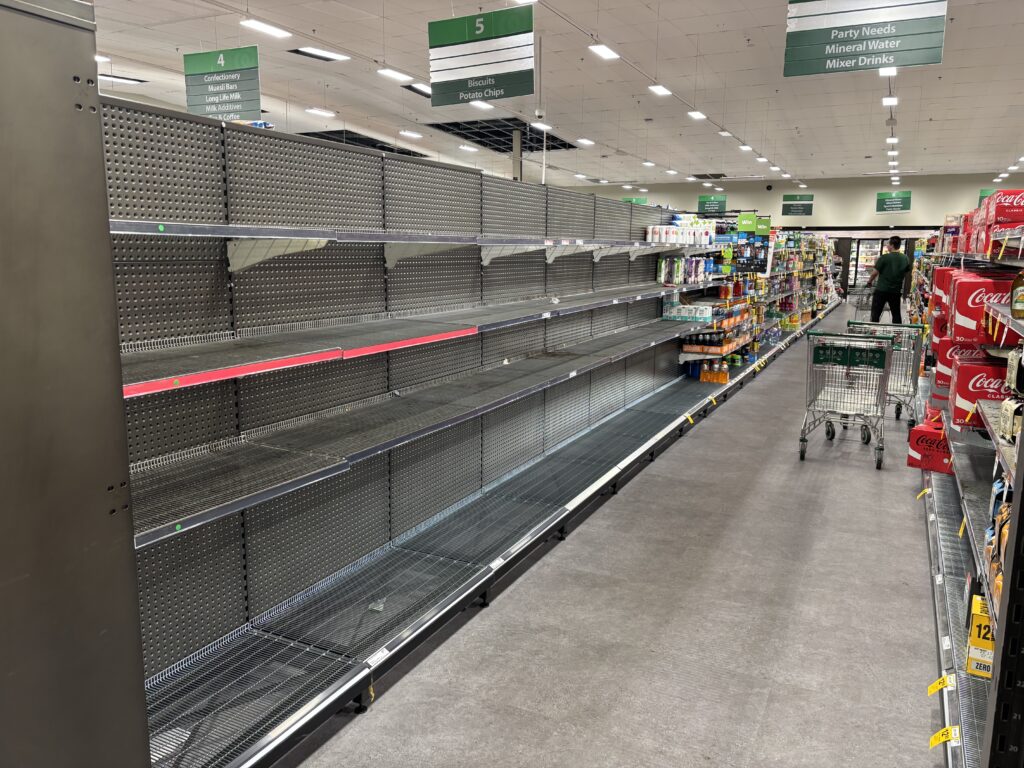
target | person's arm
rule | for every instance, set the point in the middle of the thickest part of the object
(874, 276)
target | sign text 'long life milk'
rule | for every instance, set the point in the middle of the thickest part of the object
(224, 85)
(824, 36)
(482, 57)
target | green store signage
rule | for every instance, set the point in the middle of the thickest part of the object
(892, 202)
(797, 205)
(984, 193)
(635, 200)
(482, 57)
(824, 36)
(225, 84)
(763, 226)
(746, 222)
(711, 204)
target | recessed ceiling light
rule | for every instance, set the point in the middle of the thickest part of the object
(525, 2)
(719, 189)
(787, 175)
(697, 115)
(803, 186)
(707, 184)
(762, 159)
(627, 186)
(411, 134)
(585, 142)
(887, 72)
(604, 51)
(691, 178)
(267, 29)
(894, 171)
(997, 181)
(670, 172)
(422, 88)
(1013, 168)
(894, 162)
(647, 164)
(467, 148)
(320, 53)
(895, 178)
(643, 189)
(892, 152)
(580, 175)
(101, 59)
(1020, 159)
(119, 79)
(1003, 175)
(891, 140)
(319, 112)
(660, 90)
(394, 74)
(895, 183)
(724, 133)
(482, 105)
(890, 101)
(745, 148)
(540, 126)
(603, 181)
(775, 168)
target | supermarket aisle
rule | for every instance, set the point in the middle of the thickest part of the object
(731, 607)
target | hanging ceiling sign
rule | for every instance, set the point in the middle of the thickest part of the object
(224, 85)
(482, 57)
(708, 204)
(797, 205)
(825, 36)
(892, 202)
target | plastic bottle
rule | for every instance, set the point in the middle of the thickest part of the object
(1017, 297)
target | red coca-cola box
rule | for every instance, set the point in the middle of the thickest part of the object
(941, 277)
(1004, 206)
(969, 293)
(929, 449)
(975, 380)
(1002, 246)
(940, 328)
(947, 352)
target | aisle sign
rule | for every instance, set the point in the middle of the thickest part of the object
(635, 200)
(984, 193)
(892, 202)
(711, 204)
(797, 205)
(763, 226)
(746, 222)
(224, 85)
(824, 36)
(482, 57)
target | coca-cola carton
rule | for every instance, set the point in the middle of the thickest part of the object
(1004, 206)
(947, 352)
(969, 294)
(941, 278)
(975, 380)
(1003, 247)
(929, 449)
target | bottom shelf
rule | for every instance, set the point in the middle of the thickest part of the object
(234, 704)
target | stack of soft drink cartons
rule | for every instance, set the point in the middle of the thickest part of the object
(1001, 211)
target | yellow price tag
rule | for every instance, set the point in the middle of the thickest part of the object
(689, 418)
(713, 401)
(925, 491)
(946, 681)
(963, 527)
(970, 413)
(1007, 240)
(949, 733)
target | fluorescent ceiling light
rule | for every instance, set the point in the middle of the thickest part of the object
(892, 152)
(540, 126)
(691, 178)
(890, 101)
(525, 2)
(707, 184)
(745, 148)
(762, 159)
(643, 189)
(670, 172)
(580, 175)
(1013, 168)
(482, 105)
(267, 29)
(719, 189)
(697, 115)
(894, 162)
(775, 168)
(1020, 159)
(467, 148)
(887, 72)
(320, 53)
(604, 51)
(997, 181)
(119, 79)
(585, 142)
(803, 186)
(787, 175)
(895, 178)
(101, 59)
(893, 171)
(603, 181)
(394, 74)
(661, 90)
(319, 112)
(895, 183)
(422, 88)
(891, 140)
(627, 186)
(411, 134)
(724, 133)
(647, 164)
(1003, 175)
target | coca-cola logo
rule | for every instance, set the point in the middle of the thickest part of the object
(972, 352)
(982, 382)
(1008, 198)
(981, 297)
(935, 443)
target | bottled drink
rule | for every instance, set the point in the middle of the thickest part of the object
(1017, 297)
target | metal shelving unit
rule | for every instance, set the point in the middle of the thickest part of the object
(1006, 452)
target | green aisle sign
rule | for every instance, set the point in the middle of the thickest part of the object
(763, 226)
(746, 222)
(709, 204)
(892, 202)
(825, 36)
(224, 85)
(635, 200)
(481, 57)
(797, 205)
(984, 193)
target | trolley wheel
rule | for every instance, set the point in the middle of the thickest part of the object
(878, 459)
(865, 434)
(899, 410)
(830, 430)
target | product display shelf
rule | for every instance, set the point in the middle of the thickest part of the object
(767, 326)
(771, 299)
(1006, 451)
(177, 367)
(967, 704)
(1003, 324)
(686, 357)
(240, 700)
(220, 479)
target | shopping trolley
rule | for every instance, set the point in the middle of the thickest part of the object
(907, 347)
(847, 380)
(861, 298)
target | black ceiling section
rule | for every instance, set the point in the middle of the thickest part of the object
(496, 135)
(708, 176)
(360, 140)
(417, 91)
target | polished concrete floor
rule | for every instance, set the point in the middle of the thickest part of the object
(731, 607)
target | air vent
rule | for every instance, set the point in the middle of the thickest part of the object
(361, 140)
(496, 135)
(708, 176)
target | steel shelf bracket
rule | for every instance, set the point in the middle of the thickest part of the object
(245, 253)
(614, 251)
(489, 253)
(555, 251)
(395, 252)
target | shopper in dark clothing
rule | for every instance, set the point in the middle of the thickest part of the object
(890, 271)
